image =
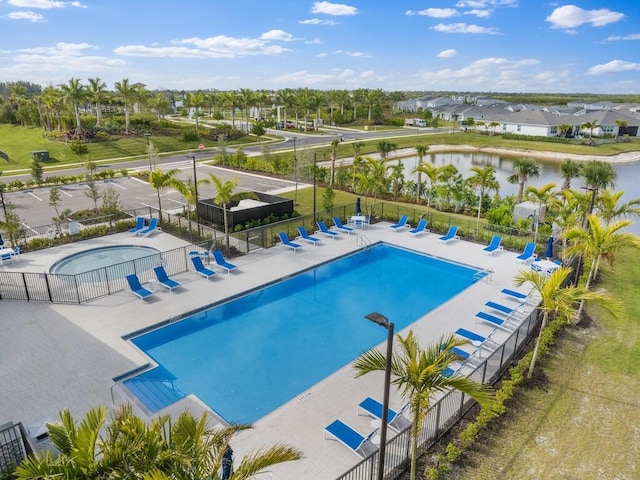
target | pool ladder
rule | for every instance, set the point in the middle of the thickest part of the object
(362, 239)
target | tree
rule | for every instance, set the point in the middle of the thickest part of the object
(92, 191)
(421, 150)
(396, 178)
(224, 192)
(493, 125)
(74, 93)
(564, 129)
(591, 126)
(569, 170)
(97, 93)
(483, 179)
(599, 242)
(248, 100)
(385, 147)
(432, 172)
(609, 209)
(195, 101)
(598, 174)
(37, 171)
(12, 224)
(557, 300)
(159, 104)
(160, 180)
(128, 95)
(417, 373)
(622, 125)
(524, 169)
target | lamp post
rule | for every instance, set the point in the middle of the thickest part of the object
(383, 321)
(314, 187)
(4, 206)
(295, 172)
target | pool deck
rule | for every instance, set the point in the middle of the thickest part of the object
(57, 356)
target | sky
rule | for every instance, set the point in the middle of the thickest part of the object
(582, 46)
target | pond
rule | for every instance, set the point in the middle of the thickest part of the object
(626, 180)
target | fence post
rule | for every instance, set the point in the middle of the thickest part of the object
(46, 281)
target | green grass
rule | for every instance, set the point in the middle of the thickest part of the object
(580, 419)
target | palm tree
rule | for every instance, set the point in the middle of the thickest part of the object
(599, 242)
(196, 101)
(232, 101)
(75, 93)
(569, 169)
(564, 129)
(224, 192)
(591, 126)
(374, 180)
(159, 180)
(598, 174)
(421, 150)
(448, 177)
(483, 179)
(418, 375)
(97, 91)
(248, 100)
(128, 95)
(385, 147)
(523, 169)
(305, 99)
(432, 172)
(559, 301)
(188, 191)
(160, 105)
(608, 208)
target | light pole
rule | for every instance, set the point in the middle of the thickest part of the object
(4, 206)
(314, 187)
(295, 172)
(383, 321)
(195, 180)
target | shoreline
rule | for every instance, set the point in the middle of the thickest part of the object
(624, 157)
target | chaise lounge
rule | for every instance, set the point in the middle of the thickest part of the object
(284, 239)
(395, 420)
(343, 433)
(164, 280)
(137, 289)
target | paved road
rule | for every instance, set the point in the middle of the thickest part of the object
(33, 205)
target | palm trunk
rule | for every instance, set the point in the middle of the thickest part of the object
(479, 208)
(590, 278)
(545, 318)
(418, 187)
(159, 208)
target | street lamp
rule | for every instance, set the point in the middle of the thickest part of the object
(195, 180)
(4, 206)
(383, 321)
(295, 172)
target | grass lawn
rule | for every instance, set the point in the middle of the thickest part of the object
(578, 419)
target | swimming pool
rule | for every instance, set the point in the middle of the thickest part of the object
(103, 257)
(246, 357)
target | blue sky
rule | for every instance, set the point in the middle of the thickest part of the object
(461, 45)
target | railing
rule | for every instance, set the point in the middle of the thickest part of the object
(446, 411)
(14, 446)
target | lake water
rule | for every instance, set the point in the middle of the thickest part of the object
(628, 174)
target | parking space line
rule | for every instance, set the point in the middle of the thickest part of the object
(139, 180)
(115, 184)
(27, 226)
(176, 201)
(66, 193)
(35, 196)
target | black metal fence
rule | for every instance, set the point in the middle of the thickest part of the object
(446, 411)
(14, 446)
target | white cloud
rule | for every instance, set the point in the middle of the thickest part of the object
(43, 4)
(614, 66)
(480, 13)
(486, 3)
(31, 16)
(337, 78)
(321, 55)
(450, 53)
(463, 28)
(570, 16)
(437, 12)
(329, 8)
(631, 36)
(280, 35)
(314, 41)
(317, 21)
(220, 46)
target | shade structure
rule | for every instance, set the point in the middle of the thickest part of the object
(549, 250)
(358, 208)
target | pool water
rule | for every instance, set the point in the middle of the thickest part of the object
(246, 357)
(103, 257)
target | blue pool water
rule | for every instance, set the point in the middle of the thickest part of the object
(246, 357)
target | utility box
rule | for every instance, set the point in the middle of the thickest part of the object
(40, 155)
(531, 211)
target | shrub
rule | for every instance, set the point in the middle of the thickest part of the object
(78, 147)
(190, 136)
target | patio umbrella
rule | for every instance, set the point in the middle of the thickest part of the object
(549, 250)
(358, 208)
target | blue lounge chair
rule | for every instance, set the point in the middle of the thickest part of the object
(325, 231)
(304, 235)
(164, 280)
(339, 226)
(508, 311)
(153, 226)
(495, 321)
(138, 228)
(476, 339)
(343, 433)
(402, 223)
(515, 295)
(221, 262)
(200, 268)
(288, 243)
(451, 234)
(395, 420)
(528, 253)
(494, 245)
(420, 228)
(137, 289)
